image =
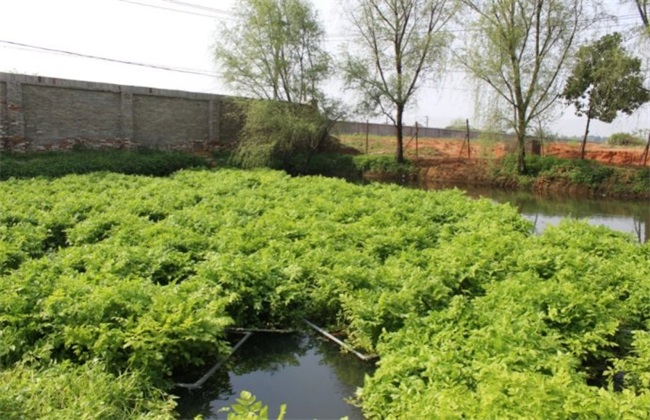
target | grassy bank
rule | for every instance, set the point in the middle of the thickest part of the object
(547, 173)
(491, 164)
(130, 162)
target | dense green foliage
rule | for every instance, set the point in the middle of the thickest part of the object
(55, 164)
(605, 80)
(273, 50)
(354, 166)
(128, 279)
(565, 327)
(581, 172)
(89, 391)
(280, 135)
(625, 139)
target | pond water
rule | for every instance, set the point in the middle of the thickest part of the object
(631, 217)
(304, 371)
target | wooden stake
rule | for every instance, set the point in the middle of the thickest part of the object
(469, 149)
(367, 130)
(417, 132)
(645, 152)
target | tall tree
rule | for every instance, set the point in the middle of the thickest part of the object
(519, 48)
(398, 43)
(605, 80)
(274, 51)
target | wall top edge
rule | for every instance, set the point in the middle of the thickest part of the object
(104, 87)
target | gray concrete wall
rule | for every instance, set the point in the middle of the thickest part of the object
(42, 113)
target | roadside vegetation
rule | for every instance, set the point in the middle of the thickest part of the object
(127, 280)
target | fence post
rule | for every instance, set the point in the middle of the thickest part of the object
(645, 152)
(469, 149)
(417, 133)
(367, 130)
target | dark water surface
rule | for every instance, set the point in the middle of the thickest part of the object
(302, 370)
(631, 217)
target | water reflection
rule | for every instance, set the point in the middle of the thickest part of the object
(307, 373)
(632, 217)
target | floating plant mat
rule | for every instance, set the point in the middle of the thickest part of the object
(307, 372)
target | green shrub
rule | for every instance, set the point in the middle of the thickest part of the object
(580, 171)
(576, 171)
(381, 164)
(89, 391)
(279, 135)
(331, 164)
(625, 139)
(642, 181)
(132, 162)
(547, 339)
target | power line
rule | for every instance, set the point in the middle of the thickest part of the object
(201, 7)
(230, 16)
(176, 10)
(20, 45)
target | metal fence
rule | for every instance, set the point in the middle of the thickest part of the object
(375, 129)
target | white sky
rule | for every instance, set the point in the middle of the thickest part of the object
(133, 30)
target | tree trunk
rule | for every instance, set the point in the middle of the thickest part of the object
(521, 158)
(521, 143)
(584, 139)
(399, 152)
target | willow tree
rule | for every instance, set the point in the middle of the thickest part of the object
(396, 45)
(519, 49)
(273, 51)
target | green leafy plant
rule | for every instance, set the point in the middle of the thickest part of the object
(247, 407)
(57, 164)
(280, 135)
(138, 278)
(382, 164)
(625, 139)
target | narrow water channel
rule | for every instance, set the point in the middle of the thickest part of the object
(302, 370)
(631, 217)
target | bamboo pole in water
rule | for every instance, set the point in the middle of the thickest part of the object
(341, 343)
(198, 384)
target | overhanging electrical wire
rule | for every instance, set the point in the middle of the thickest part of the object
(175, 10)
(20, 45)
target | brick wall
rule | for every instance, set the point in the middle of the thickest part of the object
(42, 113)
